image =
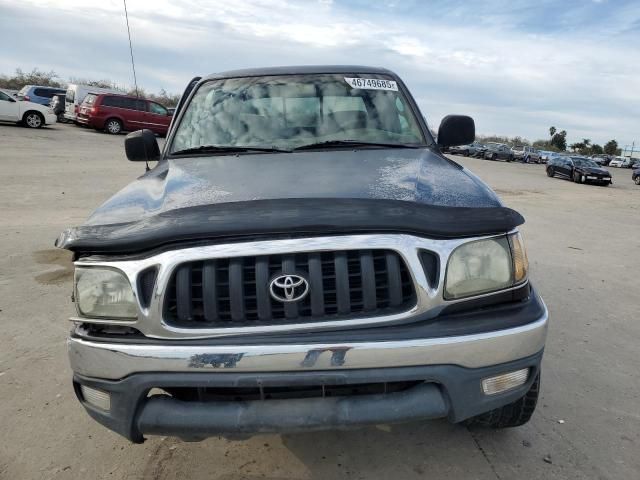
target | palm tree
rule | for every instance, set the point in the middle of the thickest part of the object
(586, 142)
(552, 131)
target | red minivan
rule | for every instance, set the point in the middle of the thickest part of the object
(115, 113)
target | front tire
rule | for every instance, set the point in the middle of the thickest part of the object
(512, 415)
(466, 153)
(113, 126)
(577, 178)
(550, 172)
(33, 120)
(637, 180)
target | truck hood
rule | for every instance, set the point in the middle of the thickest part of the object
(414, 175)
(411, 191)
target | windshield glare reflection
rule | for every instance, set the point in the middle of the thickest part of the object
(294, 110)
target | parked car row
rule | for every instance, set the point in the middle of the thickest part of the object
(100, 108)
(528, 154)
(579, 169)
(501, 151)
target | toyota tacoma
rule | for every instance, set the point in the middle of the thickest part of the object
(302, 257)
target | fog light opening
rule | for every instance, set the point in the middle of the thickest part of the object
(96, 398)
(504, 382)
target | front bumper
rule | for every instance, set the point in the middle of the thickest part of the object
(82, 119)
(445, 391)
(449, 371)
(115, 361)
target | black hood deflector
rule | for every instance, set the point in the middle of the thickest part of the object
(295, 216)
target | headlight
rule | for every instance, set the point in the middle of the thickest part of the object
(104, 292)
(485, 266)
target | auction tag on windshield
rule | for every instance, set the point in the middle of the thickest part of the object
(372, 83)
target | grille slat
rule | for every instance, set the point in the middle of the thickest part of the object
(342, 283)
(263, 299)
(368, 280)
(237, 291)
(209, 291)
(183, 292)
(316, 285)
(394, 279)
(230, 292)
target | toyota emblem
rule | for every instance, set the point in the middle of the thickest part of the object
(288, 288)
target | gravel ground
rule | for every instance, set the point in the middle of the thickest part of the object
(582, 242)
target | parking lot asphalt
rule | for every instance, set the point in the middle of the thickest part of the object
(583, 245)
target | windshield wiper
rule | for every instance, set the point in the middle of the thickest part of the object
(355, 143)
(227, 149)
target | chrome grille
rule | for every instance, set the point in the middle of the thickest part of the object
(230, 292)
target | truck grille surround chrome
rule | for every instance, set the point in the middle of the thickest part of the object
(236, 291)
(356, 265)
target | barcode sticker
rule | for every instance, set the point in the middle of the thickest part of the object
(372, 83)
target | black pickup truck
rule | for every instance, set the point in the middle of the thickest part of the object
(302, 257)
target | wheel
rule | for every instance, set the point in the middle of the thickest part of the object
(33, 120)
(637, 180)
(550, 172)
(494, 157)
(510, 159)
(577, 178)
(511, 415)
(466, 153)
(113, 126)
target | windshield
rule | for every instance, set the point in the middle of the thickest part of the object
(584, 162)
(90, 99)
(290, 111)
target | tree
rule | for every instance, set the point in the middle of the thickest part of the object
(596, 149)
(552, 131)
(577, 146)
(34, 77)
(611, 147)
(162, 97)
(586, 142)
(559, 140)
(104, 83)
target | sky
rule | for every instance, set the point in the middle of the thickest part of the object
(516, 66)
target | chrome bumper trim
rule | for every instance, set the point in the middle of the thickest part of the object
(115, 361)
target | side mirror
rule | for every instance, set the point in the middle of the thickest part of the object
(142, 146)
(456, 130)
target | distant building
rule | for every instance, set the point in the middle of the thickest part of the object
(631, 151)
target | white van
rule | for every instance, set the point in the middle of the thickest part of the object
(620, 162)
(75, 95)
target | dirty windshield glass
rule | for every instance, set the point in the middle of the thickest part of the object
(291, 111)
(585, 162)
